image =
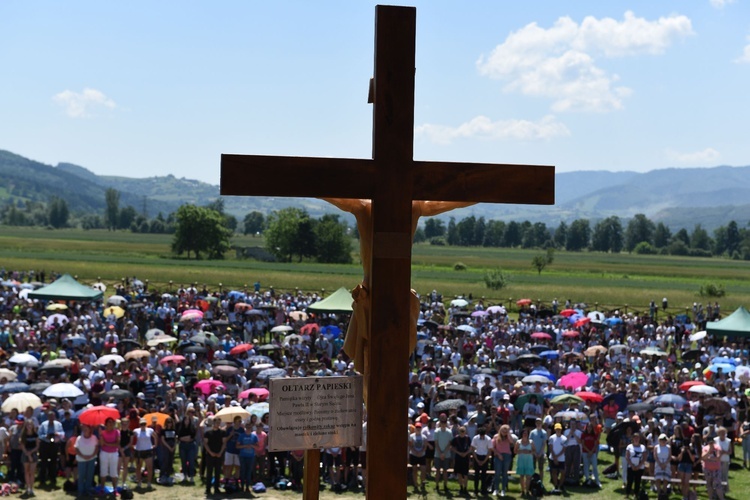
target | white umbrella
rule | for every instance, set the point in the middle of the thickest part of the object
(24, 293)
(596, 316)
(654, 352)
(24, 358)
(459, 302)
(61, 362)
(105, 360)
(154, 332)
(63, 390)
(698, 336)
(742, 372)
(281, 328)
(116, 300)
(533, 379)
(99, 286)
(8, 375)
(161, 339)
(466, 328)
(20, 401)
(703, 389)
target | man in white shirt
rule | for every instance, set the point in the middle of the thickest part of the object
(480, 449)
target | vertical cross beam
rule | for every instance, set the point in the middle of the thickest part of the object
(390, 272)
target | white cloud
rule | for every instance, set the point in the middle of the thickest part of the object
(559, 63)
(720, 4)
(745, 57)
(484, 128)
(708, 156)
(84, 104)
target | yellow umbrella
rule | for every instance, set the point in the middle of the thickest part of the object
(137, 354)
(228, 413)
(56, 307)
(118, 311)
(20, 401)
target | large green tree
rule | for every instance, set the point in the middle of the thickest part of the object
(607, 235)
(640, 229)
(200, 230)
(57, 212)
(254, 223)
(433, 228)
(290, 232)
(578, 236)
(112, 212)
(333, 244)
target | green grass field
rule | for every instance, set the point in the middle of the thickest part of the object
(601, 280)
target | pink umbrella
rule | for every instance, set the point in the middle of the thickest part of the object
(208, 386)
(174, 358)
(191, 315)
(541, 336)
(573, 380)
(261, 392)
(476, 314)
(581, 322)
(570, 334)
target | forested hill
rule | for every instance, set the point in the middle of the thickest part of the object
(678, 197)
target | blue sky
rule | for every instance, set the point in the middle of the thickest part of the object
(153, 88)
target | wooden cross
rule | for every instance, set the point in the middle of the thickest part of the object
(392, 180)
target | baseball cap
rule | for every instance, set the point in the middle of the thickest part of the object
(620, 414)
(141, 395)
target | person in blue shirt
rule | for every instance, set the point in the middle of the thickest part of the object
(232, 456)
(247, 443)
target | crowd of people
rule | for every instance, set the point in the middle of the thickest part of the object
(143, 379)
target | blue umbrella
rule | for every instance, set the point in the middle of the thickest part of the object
(271, 373)
(723, 360)
(544, 373)
(620, 399)
(725, 367)
(670, 399)
(236, 295)
(613, 321)
(13, 387)
(331, 331)
(554, 393)
(550, 354)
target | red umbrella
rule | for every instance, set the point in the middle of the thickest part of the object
(240, 348)
(524, 302)
(690, 383)
(174, 358)
(571, 334)
(573, 380)
(541, 336)
(568, 312)
(261, 392)
(97, 415)
(203, 305)
(309, 328)
(590, 397)
(208, 385)
(581, 322)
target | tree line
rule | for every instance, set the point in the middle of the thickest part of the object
(292, 234)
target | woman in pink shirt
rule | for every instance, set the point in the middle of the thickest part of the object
(109, 452)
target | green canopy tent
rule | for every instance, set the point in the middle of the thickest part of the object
(736, 324)
(338, 302)
(66, 288)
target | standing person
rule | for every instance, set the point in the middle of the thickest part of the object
(126, 447)
(524, 450)
(15, 455)
(461, 447)
(745, 437)
(87, 448)
(573, 453)
(711, 458)
(213, 449)
(481, 445)
(417, 452)
(30, 446)
(144, 441)
(727, 450)
(635, 457)
(662, 466)
(109, 454)
(51, 435)
(503, 444)
(247, 444)
(166, 446)
(261, 453)
(539, 439)
(187, 431)
(442, 439)
(557, 458)
(590, 454)
(232, 454)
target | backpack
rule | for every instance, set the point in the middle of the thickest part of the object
(536, 486)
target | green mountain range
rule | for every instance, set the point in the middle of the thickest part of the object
(678, 197)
